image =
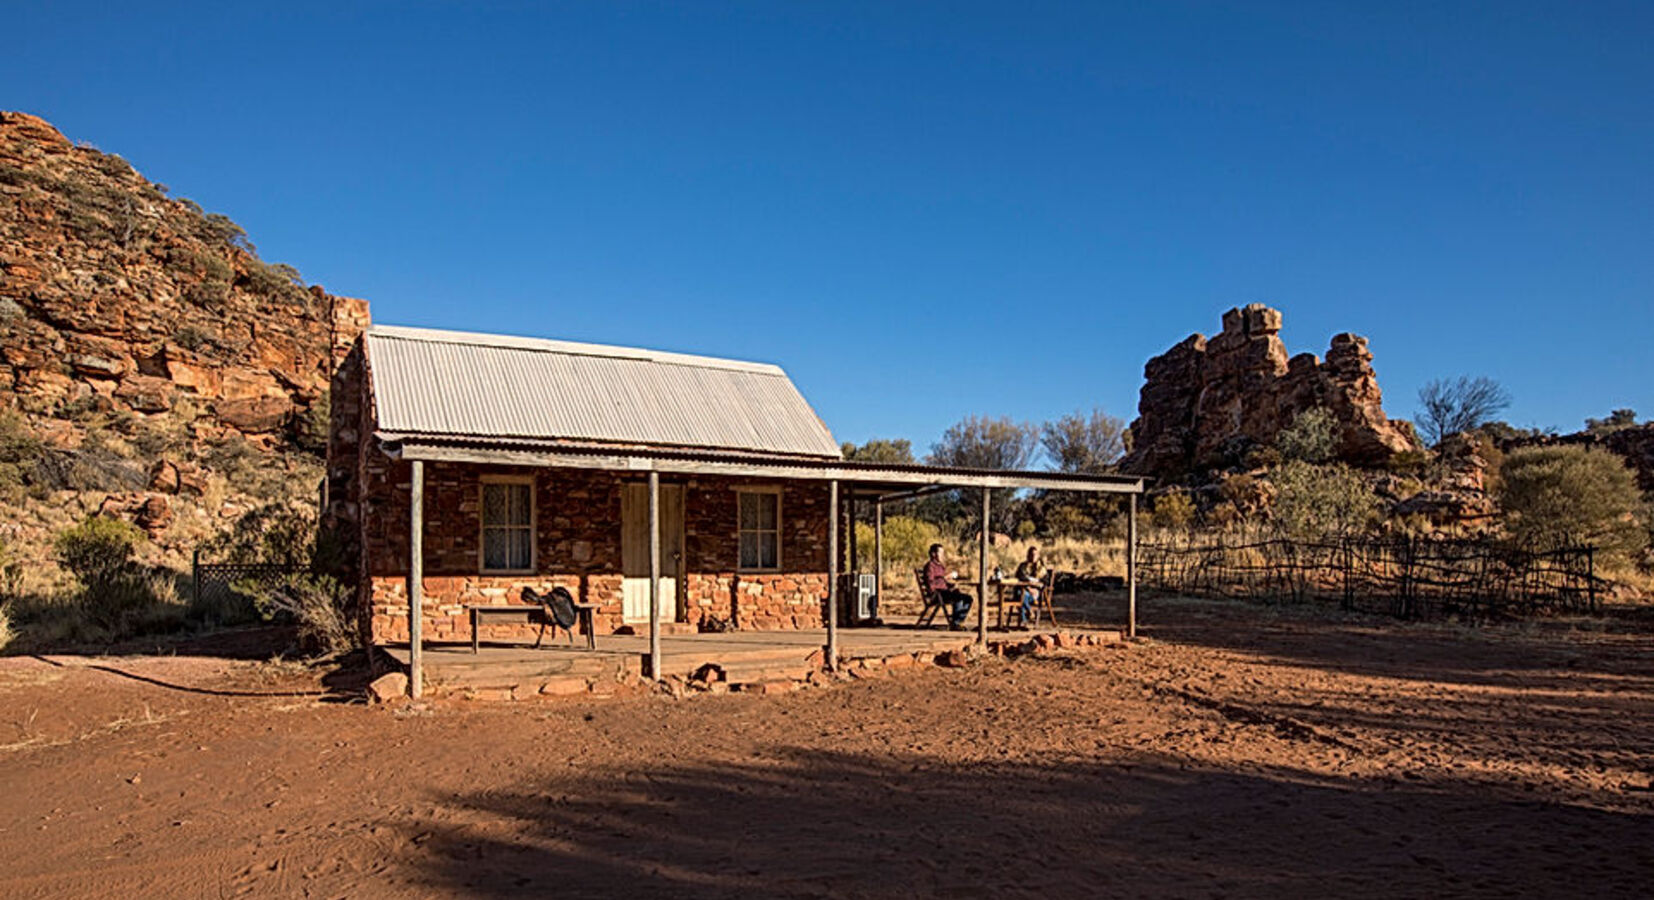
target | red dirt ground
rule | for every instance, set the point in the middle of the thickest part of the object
(1239, 751)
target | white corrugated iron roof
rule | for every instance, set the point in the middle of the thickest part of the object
(458, 383)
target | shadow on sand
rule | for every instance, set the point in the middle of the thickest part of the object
(817, 824)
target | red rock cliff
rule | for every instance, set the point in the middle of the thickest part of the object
(1205, 402)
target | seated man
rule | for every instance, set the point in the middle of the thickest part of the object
(936, 578)
(1030, 569)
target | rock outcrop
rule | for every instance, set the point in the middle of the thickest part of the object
(148, 352)
(1206, 403)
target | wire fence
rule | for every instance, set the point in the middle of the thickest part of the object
(1406, 577)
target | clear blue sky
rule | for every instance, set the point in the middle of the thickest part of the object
(921, 210)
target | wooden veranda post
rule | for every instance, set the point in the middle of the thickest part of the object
(416, 582)
(878, 556)
(1131, 568)
(654, 575)
(832, 575)
(982, 577)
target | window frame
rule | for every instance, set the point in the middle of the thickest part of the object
(483, 526)
(774, 492)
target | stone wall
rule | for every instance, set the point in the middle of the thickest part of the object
(578, 547)
(1204, 402)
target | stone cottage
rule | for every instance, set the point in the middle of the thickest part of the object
(537, 463)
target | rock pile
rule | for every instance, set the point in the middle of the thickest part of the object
(1205, 403)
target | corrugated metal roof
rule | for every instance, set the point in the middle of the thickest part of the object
(457, 383)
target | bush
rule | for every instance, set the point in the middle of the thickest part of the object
(317, 604)
(1573, 494)
(1312, 437)
(99, 552)
(1322, 501)
(1172, 510)
(906, 541)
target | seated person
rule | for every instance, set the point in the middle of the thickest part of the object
(1030, 569)
(936, 578)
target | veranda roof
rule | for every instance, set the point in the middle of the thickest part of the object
(453, 384)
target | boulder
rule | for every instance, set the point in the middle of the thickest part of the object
(1206, 403)
(254, 415)
(388, 687)
(164, 477)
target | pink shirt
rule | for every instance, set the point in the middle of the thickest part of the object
(936, 575)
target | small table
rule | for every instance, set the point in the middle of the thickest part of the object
(1001, 584)
(534, 615)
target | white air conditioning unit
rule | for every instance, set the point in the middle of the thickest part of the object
(862, 592)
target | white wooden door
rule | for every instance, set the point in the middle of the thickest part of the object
(634, 551)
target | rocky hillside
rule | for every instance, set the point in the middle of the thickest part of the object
(152, 366)
(1206, 403)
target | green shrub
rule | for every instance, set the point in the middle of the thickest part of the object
(192, 338)
(98, 550)
(1172, 510)
(317, 604)
(906, 541)
(1322, 501)
(1312, 437)
(1573, 494)
(115, 592)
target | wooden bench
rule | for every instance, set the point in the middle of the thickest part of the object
(533, 615)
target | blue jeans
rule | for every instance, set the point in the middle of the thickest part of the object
(961, 602)
(1027, 596)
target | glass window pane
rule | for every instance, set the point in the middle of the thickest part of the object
(493, 504)
(493, 549)
(766, 550)
(521, 504)
(749, 511)
(767, 504)
(749, 550)
(521, 554)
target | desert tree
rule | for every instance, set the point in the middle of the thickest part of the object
(1617, 420)
(1571, 493)
(1087, 443)
(1461, 404)
(896, 451)
(981, 442)
(1322, 501)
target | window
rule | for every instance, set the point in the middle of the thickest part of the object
(508, 525)
(760, 529)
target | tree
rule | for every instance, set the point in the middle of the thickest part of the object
(1312, 437)
(1084, 443)
(1617, 420)
(1329, 500)
(1571, 493)
(978, 442)
(1449, 407)
(895, 452)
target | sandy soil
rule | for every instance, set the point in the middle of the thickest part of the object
(1238, 752)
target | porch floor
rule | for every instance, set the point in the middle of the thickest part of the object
(744, 655)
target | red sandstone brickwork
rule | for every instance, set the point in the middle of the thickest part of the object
(578, 524)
